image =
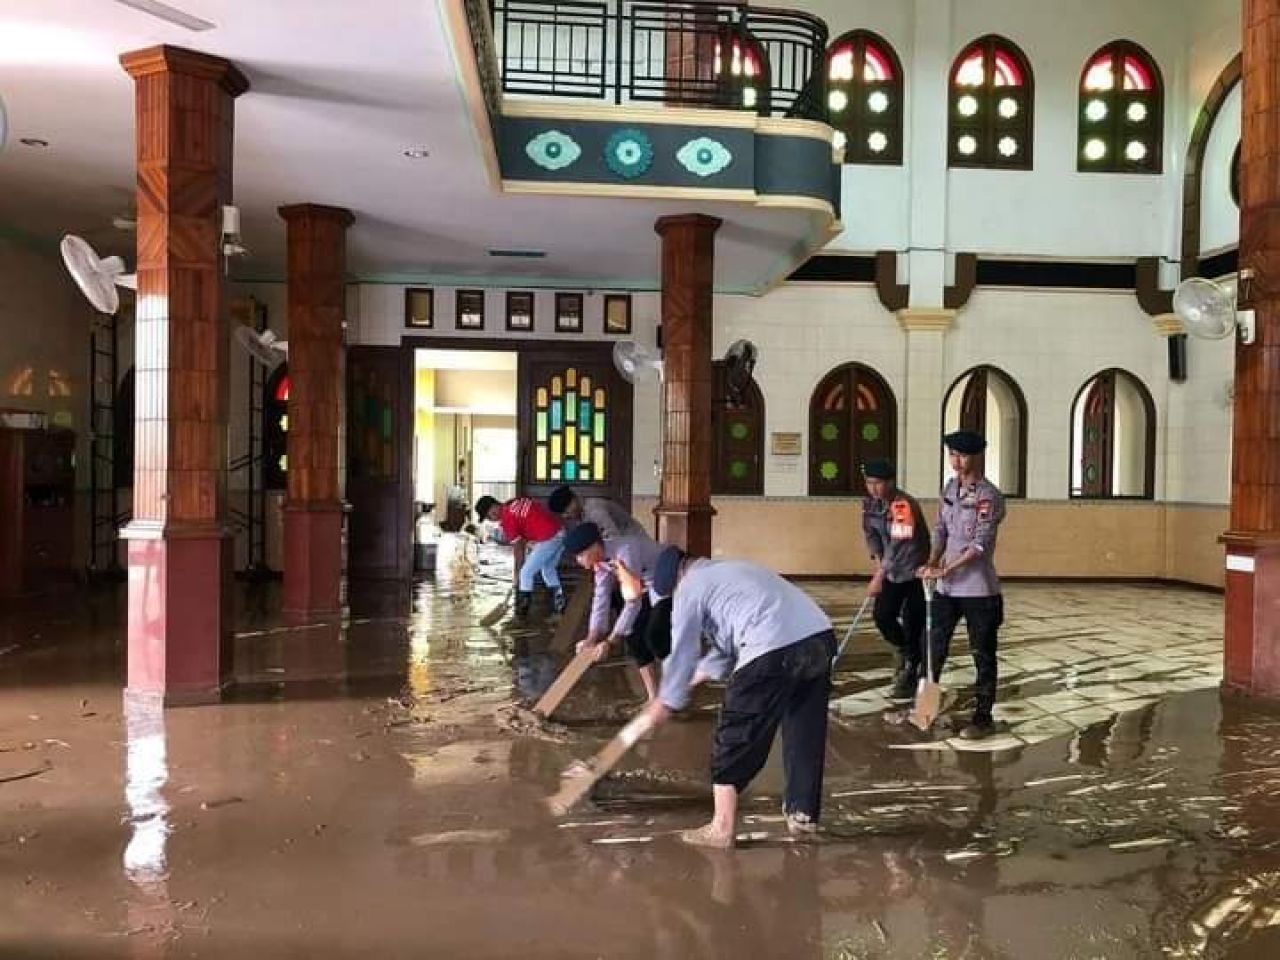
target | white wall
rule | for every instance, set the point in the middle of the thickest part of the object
(1219, 215)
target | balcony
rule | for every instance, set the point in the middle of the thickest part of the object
(726, 56)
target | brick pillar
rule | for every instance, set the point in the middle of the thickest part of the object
(179, 542)
(1252, 656)
(317, 241)
(688, 259)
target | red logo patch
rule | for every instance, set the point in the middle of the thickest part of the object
(984, 509)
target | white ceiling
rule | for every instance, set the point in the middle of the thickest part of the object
(338, 91)
(464, 360)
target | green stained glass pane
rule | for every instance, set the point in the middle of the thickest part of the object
(584, 414)
(829, 470)
(739, 431)
(829, 432)
(870, 432)
(386, 423)
(738, 469)
(571, 406)
(585, 474)
(571, 469)
(557, 415)
(542, 425)
(599, 431)
(1091, 473)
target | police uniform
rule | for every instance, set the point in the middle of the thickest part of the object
(969, 516)
(897, 537)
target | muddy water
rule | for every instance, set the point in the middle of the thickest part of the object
(370, 791)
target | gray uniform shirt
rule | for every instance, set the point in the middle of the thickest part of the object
(639, 554)
(611, 518)
(744, 610)
(897, 533)
(969, 517)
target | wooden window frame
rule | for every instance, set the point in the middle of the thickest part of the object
(989, 128)
(1111, 129)
(409, 294)
(722, 483)
(1149, 438)
(1020, 401)
(857, 121)
(853, 484)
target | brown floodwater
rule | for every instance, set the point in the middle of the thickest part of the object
(370, 789)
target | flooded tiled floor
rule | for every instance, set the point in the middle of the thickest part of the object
(370, 790)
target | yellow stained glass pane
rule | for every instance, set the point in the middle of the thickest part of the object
(571, 378)
(555, 386)
(570, 438)
(585, 388)
(541, 470)
(599, 398)
(600, 473)
(584, 451)
(284, 423)
(542, 397)
(555, 450)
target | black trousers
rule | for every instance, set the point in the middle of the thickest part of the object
(899, 616)
(982, 619)
(787, 687)
(650, 636)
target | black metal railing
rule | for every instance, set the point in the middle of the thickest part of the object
(724, 55)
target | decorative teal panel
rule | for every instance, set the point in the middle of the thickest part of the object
(629, 153)
(553, 150)
(704, 157)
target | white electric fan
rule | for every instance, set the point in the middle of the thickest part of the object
(97, 277)
(264, 347)
(739, 365)
(1208, 310)
(638, 363)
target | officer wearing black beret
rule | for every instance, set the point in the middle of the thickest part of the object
(897, 537)
(962, 560)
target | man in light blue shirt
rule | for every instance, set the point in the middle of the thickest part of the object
(775, 646)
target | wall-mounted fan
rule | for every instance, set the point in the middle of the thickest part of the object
(635, 362)
(1208, 309)
(97, 277)
(264, 347)
(739, 365)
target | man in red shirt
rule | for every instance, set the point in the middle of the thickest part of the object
(526, 519)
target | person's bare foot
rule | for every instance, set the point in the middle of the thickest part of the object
(710, 835)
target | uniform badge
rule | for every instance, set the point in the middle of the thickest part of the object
(902, 525)
(984, 509)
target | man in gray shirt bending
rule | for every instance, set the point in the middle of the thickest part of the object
(775, 645)
(612, 519)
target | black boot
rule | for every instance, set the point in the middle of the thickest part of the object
(558, 602)
(524, 600)
(905, 681)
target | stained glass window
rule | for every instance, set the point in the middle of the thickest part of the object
(991, 101)
(1113, 424)
(275, 429)
(570, 429)
(864, 98)
(853, 418)
(1121, 111)
(737, 432)
(739, 69)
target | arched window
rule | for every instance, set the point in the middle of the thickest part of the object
(741, 70)
(122, 426)
(737, 438)
(991, 106)
(1121, 111)
(864, 98)
(852, 418)
(988, 401)
(1113, 438)
(275, 429)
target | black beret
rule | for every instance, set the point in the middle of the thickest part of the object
(878, 469)
(666, 570)
(581, 537)
(484, 505)
(558, 502)
(965, 441)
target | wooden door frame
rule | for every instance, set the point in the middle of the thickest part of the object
(598, 351)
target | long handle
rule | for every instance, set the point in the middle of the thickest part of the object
(573, 789)
(848, 634)
(929, 586)
(565, 683)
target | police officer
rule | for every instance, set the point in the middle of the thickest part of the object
(897, 538)
(612, 518)
(963, 562)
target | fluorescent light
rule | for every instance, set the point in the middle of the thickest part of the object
(163, 11)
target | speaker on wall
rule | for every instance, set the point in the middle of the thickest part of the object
(1178, 358)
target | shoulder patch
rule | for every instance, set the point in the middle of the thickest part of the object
(984, 509)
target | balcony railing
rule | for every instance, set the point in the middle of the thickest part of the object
(712, 55)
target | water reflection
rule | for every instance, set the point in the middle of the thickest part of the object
(146, 773)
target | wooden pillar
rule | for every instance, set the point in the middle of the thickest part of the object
(317, 267)
(1252, 656)
(688, 260)
(179, 541)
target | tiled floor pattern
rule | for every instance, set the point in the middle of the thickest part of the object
(1070, 657)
